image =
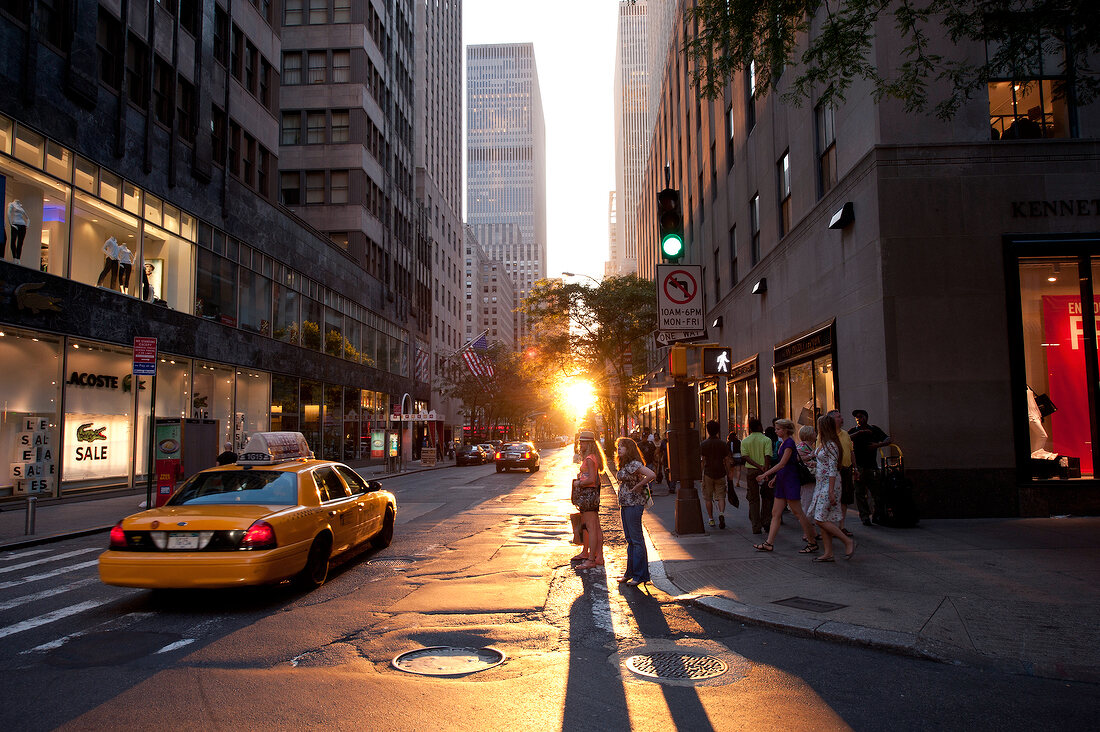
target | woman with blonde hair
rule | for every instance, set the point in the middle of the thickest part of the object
(586, 497)
(788, 490)
(633, 477)
(825, 505)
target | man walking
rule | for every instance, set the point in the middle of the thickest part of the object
(756, 448)
(847, 482)
(866, 440)
(713, 453)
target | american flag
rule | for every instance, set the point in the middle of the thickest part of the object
(479, 365)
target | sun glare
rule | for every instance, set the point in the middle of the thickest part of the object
(579, 396)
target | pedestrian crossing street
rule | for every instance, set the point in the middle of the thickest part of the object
(51, 595)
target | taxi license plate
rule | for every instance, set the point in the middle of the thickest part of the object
(183, 541)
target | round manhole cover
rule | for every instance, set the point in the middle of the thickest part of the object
(448, 660)
(392, 563)
(665, 665)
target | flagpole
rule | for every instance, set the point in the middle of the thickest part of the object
(469, 343)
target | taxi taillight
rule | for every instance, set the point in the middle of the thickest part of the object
(118, 537)
(498, 456)
(260, 535)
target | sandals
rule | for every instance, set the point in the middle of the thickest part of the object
(852, 553)
(579, 558)
(764, 546)
(810, 548)
(846, 532)
(589, 565)
(823, 559)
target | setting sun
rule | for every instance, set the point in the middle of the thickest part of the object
(578, 395)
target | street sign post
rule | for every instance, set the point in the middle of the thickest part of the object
(145, 364)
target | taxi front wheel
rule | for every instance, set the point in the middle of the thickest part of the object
(316, 570)
(383, 538)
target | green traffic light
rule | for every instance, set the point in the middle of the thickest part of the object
(672, 246)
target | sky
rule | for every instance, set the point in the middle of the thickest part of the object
(574, 54)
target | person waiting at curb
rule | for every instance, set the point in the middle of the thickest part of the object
(756, 448)
(713, 452)
(866, 440)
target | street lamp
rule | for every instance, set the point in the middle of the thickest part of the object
(574, 274)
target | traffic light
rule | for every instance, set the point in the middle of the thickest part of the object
(670, 220)
(677, 361)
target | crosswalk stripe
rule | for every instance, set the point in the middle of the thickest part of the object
(54, 558)
(17, 601)
(47, 575)
(177, 644)
(122, 622)
(52, 617)
(20, 554)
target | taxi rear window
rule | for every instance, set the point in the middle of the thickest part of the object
(251, 487)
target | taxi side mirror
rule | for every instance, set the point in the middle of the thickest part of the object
(374, 485)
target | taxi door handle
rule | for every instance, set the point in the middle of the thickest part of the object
(333, 513)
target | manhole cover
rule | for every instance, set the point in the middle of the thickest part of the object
(392, 563)
(664, 665)
(805, 603)
(448, 660)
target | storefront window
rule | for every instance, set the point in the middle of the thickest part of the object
(86, 175)
(59, 161)
(174, 258)
(804, 391)
(284, 404)
(1059, 413)
(30, 446)
(253, 402)
(255, 311)
(382, 352)
(313, 314)
(334, 333)
(334, 423)
(708, 407)
(311, 398)
(351, 339)
(5, 135)
(29, 146)
(35, 218)
(100, 235)
(96, 432)
(370, 346)
(286, 315)
(351, 424)
(744, 402)
(212, 398)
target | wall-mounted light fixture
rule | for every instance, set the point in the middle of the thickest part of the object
(760, 287)
(843, 217)
(717, 322)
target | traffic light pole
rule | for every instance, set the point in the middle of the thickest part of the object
(682, 441)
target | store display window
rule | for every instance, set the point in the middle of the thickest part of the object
(1057, 406)
(215, 288)
(743, 393)
(30, 439)
(311, 398)
(708, 406)
(333, 447)
(173, 260)
(252, 404)
(35, 210)
(104, 239)
(805, 377)
(212, 397)
(96, 445)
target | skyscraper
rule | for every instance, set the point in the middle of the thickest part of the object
(506, 163)
(631, 129)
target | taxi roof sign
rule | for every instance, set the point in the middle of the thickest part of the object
(268, 448)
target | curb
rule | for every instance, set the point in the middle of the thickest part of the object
(889, 641)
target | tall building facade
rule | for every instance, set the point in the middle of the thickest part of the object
(932, 273)
(609, 267)
(631, 128)
(506, 162)
(138, 163)
(489, 293)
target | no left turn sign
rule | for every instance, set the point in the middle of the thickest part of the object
(679, 297)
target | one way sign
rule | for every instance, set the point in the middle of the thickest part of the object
(716, 361)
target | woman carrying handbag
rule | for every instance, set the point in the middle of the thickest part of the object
(586, 497)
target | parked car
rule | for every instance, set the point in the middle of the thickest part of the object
(518, 456)
(471, 455)
(490, 450)
(276, 514)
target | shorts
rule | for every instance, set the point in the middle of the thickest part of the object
(714, 489)
(847, 487)
(587, 499)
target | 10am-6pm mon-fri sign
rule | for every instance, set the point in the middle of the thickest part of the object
(679, 297)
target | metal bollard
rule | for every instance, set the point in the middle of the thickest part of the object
(32, 508)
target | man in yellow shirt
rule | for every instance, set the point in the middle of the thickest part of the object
(756, 448)
(847, 483)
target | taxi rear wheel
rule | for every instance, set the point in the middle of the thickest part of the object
(383, 538)
(316, 570)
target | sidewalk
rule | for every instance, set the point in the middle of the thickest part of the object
(57, 519)
(1017, 595)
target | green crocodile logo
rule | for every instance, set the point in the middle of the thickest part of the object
(85, 433)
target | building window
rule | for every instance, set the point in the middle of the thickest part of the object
(292, 12)
(341, 11)
(221, 35)
(265, 82)
(729, 137)
(754, 226)
(317, 61)
(318, 12)
(251, 63)
(292, 68)
(340, 125)
(236, 54)
(217, 134)
(1026, 106)
(248, 159)
(162, 92)
(290, 187)
(826, 148)
(315, 128)
(315, 188)
(137, 63)
(783, 177)
(341, 67)
(714, 170)
(292, 129)
(234, 152)
(109, 49)
(733, 255)
(185, 110)
(263, 165)
(750, 97)
(339, 186)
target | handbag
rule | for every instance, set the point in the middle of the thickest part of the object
(578, 528)
(1045, 405)
(804, 474)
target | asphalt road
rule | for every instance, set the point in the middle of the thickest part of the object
(479, 559)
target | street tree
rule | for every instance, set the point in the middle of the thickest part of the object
(589, 331)
(829, 44)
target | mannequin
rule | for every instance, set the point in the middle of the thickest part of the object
(147, 293)
(17, 220)
(125, 265)
(110, 263)
(1037, 431)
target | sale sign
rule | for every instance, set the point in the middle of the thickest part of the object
(1064, 341)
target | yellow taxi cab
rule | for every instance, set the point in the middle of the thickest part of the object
(276, 514)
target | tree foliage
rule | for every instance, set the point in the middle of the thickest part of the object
(830, 44)
(588, 331)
